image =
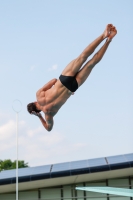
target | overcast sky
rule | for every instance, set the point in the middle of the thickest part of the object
(38, 38)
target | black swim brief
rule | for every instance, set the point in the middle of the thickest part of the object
(69, 82)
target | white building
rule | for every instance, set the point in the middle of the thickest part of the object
(58, 181)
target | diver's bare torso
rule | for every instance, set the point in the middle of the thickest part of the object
(52, 99)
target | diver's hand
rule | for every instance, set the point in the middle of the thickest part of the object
(36, 114)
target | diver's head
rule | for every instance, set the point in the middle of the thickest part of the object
(32, 107)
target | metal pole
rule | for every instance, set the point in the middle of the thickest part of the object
(16, 155)
(17, 106)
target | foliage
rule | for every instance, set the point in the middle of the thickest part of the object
(8, 164)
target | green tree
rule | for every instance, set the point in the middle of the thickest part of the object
(8, 164)
(21, 164)
(1, 165)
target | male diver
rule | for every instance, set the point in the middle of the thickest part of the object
(55, 93)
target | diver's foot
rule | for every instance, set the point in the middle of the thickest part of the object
(106, 33)
(113, 32)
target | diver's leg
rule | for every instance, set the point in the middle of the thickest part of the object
(85, 71)
(74, 66)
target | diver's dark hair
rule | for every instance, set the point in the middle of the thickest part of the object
(32, 107)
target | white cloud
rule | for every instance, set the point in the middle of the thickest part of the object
(53, 68)
(8, 136)
(51, 139)
(38, 143)
(31, 132)
(7, 130)
(39, 147)
(36, 146)
(44, 148)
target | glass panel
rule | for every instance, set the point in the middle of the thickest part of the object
(97, 162)
(80, 193)
(132, 182)
(129, 157)
(8, 174)
(28, 195)
(95, 194)
(67, 192)
(34, 170)
(118, 183)
(51, 194)
(61, 167)
(25, 171)
(8, 196)
(98, 198)
(41, 169)
(119, 198)
(116, 159)
(79, 164)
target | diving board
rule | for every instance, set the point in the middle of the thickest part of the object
(109, 190)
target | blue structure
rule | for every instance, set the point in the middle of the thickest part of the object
(109, 190)
(89, 166)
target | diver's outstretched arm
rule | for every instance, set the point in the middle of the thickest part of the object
(48, 123)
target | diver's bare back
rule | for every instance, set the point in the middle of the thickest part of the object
(52, 99)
